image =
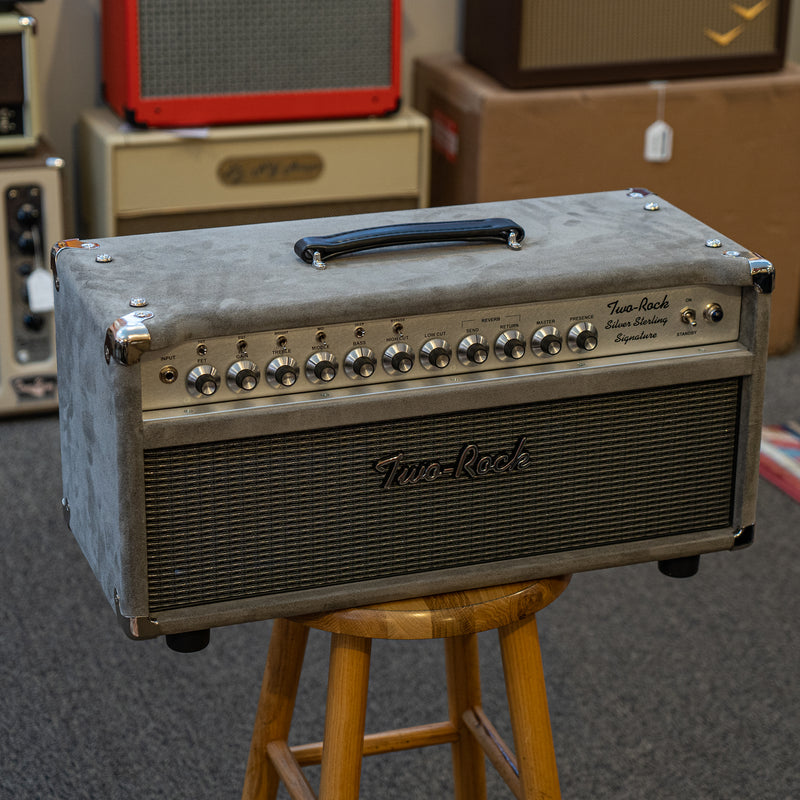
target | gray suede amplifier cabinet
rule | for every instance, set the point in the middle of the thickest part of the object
(276, 419)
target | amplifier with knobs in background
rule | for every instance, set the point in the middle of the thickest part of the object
(277, 419)
(30, 219)
(19, 87)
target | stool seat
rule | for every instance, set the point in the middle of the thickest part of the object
(440, 616)
(455, 617)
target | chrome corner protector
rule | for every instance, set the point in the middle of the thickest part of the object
(763, 274)
(744, 537)
(127, 338)
(55, 250)
(136, 627)
(65, 244)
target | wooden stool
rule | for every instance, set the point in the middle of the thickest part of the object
(455, 617)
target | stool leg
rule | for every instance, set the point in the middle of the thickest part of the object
(287, 646)
(530, 718)
(345, 714)
(463, 693)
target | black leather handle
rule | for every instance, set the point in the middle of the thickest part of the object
(315, 249)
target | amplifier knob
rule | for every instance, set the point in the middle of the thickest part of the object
(282, 372)
(510, 345)
(546, 341)
(27, 214)
(582, 336)
(436, 354)
(202, 381)
(398, 359)
(473, 349)
(321, 367)
(242, 376)
(360, 363)
(26, 243)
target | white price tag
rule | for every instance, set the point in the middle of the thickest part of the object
(40, 291)
(658, 137)
(658, 142)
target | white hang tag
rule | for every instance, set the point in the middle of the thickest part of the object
(40, 291)
(658, 137)
(658, 142)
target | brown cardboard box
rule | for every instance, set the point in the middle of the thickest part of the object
(735, 160)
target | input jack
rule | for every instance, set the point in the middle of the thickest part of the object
(168, 374)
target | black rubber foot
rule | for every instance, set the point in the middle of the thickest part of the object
(680, 567)
(189, 642)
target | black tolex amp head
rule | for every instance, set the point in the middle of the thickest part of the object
(465, 396)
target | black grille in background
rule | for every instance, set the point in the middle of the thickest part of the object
(234, 519)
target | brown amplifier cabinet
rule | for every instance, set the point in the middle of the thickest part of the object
(528, 43)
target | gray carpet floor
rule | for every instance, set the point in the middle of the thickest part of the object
(657, 688)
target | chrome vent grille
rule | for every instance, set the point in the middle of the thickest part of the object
(269, 514)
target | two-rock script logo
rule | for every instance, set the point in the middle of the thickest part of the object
(470, 463)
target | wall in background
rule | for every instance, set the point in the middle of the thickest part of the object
(69, 61)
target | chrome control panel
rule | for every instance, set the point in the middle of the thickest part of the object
(528, 336)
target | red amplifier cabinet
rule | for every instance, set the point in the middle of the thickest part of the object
(186, 63)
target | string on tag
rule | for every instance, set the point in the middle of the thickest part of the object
(658, 136)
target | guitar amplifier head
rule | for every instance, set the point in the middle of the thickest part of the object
(488, 393)
(528, 43)
(19, 89)
(174, 63)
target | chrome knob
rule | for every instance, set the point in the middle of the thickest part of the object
(321, 367)
(202, 381)
(360, 363)
(435, 354)
(546, 342)
(282, 372)
(398, 359)
(242, 376)
(510, 346)
(473, 349)
(582, 337)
